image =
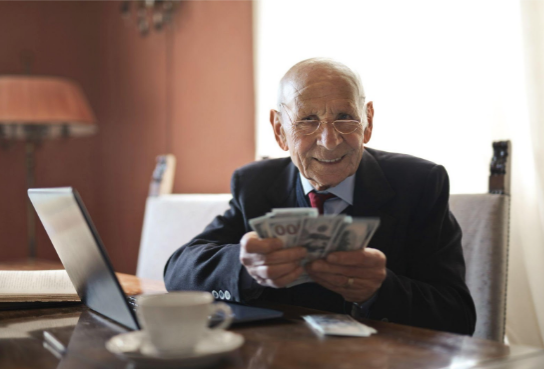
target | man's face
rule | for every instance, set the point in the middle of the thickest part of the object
(325, 157)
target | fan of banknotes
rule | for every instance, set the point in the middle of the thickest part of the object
(320, 235)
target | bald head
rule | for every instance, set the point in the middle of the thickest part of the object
(312, 94)
(296, 78)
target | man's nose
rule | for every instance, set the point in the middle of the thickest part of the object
(329, 137)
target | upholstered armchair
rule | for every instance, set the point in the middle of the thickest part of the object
(484, 219)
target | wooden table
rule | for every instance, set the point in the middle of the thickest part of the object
(281, 343)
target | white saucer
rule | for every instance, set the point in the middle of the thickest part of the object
(214, 345)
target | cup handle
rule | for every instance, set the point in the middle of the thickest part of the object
(227, 314)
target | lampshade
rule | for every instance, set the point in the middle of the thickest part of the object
(37, 107)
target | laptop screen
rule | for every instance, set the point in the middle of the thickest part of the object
(80, 250)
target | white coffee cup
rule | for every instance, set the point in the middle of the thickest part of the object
(173, 323)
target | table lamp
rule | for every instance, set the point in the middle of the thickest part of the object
(37, 108)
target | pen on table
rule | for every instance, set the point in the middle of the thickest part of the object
(54, 343)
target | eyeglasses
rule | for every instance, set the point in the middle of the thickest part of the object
(308, 127)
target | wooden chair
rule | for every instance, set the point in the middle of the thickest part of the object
(484, 220)
(172, 220)
(162, 180)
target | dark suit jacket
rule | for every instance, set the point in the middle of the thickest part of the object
(425, 284)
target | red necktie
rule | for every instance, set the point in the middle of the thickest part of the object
(318, 199)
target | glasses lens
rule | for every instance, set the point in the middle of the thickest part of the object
(306, 127)
(346, 126)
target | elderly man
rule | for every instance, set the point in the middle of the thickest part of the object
(413, 270)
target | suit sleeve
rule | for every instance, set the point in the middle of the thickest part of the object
(210, 261)
(432, 292)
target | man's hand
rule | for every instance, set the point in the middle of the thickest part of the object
(356, 275)
(268, 262)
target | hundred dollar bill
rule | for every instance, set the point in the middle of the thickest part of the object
(334, 242)
(316, 234)
(355, 235)
(372, 227)
(338, 325)
(285, 228)
(351, 237)
(260, 226)
(294, 212)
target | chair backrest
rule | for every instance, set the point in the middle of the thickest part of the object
(162, 180)
(171, 221)
(484, 220)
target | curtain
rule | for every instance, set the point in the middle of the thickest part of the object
(525, 307)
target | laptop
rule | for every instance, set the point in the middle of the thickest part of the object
(76, 240)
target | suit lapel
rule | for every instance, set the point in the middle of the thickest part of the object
(282, 193)
(372, 195)
(372, 190)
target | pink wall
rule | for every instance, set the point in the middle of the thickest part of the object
(187, 91)
(64, 41)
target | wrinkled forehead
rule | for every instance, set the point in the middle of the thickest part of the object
(320, 87)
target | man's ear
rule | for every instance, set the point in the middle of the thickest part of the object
(275, 120)
(370, 119)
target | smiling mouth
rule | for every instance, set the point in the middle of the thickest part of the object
(332, 161)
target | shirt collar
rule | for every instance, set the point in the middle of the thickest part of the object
(343, 190)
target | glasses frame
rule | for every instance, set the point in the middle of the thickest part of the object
(294, 123)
